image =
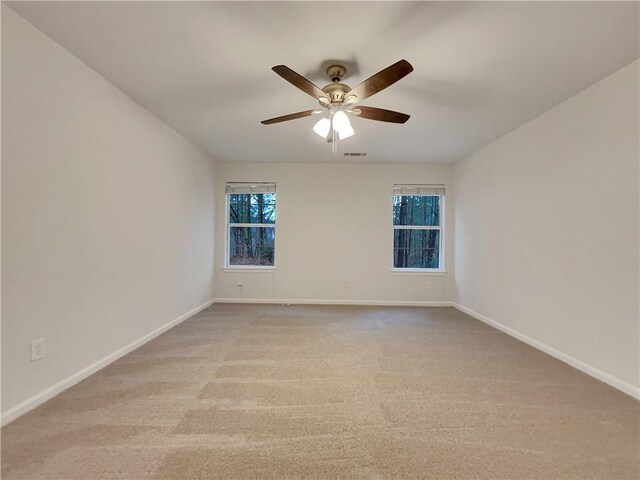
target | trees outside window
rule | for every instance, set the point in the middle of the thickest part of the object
(417, 228)
(251, 227)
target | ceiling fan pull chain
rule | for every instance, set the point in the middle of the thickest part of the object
(334, 144)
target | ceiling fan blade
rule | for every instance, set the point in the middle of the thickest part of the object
(299, 81)
(381, 80)
(380, 114)
(291, 116)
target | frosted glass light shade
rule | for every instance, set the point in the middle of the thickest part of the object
(346, 132)
(322, 127)
(340, 121)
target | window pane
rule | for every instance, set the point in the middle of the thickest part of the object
(251, 245)
(252, 208)
(416, 248)
(416, 210)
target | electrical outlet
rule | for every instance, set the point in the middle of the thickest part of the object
(428, 284)
(37, 349)
(345, 284)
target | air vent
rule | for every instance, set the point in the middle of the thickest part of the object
(355, 154)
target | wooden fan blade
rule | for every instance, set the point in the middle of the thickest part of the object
(380, 114)
(291, 116)
(381, 80)
(299, 81)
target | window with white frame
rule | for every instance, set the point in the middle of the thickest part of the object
(251, 225)
(418, 218)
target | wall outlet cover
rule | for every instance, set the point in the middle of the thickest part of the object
(37, 349)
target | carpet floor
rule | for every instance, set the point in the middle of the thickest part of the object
(330, 391)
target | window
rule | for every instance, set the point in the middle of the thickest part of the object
(251, 225)
(417, 227)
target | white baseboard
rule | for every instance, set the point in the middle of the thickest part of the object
(308, 301)
(31, 403)
(615, 382)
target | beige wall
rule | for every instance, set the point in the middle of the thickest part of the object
(333, 226)
(547, 229)
(107, 219)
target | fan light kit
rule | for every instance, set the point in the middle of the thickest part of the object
(338, 99)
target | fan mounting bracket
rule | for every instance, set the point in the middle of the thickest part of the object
(336, 72)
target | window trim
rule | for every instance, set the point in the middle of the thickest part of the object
(227, 236)
(441, 257)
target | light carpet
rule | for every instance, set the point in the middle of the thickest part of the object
(271, 391)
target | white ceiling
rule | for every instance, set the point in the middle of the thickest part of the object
(481, 68)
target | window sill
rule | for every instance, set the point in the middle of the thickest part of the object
(249, 269)
(418, 271)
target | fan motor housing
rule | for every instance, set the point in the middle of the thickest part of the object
(336, 91)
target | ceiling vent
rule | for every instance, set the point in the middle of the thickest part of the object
(355, 154)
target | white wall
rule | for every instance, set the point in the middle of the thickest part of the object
(107, 219)
(334, 225)
(547, 229)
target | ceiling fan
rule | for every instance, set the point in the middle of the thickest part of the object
(339, 99)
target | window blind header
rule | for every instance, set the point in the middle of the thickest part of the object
(418, 189)
(246, 187)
